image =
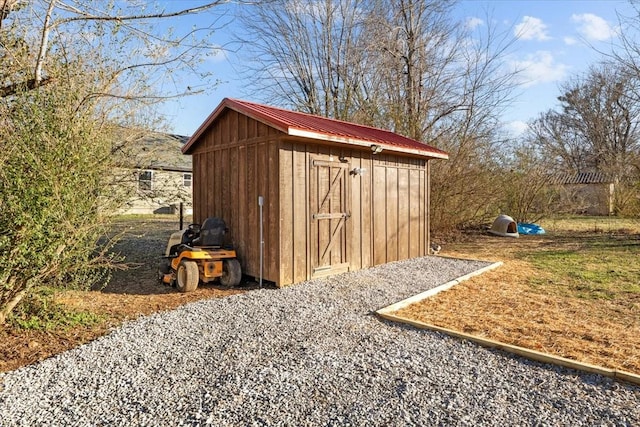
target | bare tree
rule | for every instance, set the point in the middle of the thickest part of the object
(125, 40)
(627, 53)
(595, 127)
(416, 43)
(308, 55)
(404, 65)
(565, 149)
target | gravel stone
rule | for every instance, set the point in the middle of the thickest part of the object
(308, 355)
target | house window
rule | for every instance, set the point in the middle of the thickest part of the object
(186, 179)
(145, 180)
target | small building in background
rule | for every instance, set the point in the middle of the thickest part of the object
(334, 196)
(157, 175)
(590, 193)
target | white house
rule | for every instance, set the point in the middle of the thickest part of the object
(157, 175)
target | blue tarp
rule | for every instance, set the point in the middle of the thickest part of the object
(526, 228)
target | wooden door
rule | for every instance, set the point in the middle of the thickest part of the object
(330, 212)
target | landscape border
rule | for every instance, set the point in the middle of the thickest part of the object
(387, 313)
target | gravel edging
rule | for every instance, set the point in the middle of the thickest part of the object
(311, 354)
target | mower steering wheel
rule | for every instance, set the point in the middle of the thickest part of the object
(191, 233)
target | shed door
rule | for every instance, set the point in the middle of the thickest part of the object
(330, 211)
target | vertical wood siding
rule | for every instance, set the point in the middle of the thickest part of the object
(398, 208)
(235, 161)
(387, 205)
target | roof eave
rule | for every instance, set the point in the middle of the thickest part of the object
(364, 143)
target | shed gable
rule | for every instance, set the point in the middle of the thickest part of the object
(232, 128)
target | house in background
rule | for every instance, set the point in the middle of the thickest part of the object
(590, 193)
(330, 196)
(158, 176)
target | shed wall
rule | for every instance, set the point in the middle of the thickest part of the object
(234, 162)
(388, 207)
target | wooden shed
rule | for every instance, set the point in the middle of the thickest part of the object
(337, 196)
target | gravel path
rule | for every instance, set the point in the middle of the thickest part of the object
(312, 354)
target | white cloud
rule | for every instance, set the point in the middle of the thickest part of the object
(473, 23)
(539, 67)
(517, 127)
(592, 27)
(217, 54)
(570, 41)
(531, 29)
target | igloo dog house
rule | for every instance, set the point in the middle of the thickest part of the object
(504, 226)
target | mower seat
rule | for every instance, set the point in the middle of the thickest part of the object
(212, 233)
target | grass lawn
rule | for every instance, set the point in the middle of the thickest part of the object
(574, 292)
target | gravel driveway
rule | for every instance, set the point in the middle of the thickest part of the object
(312, 354)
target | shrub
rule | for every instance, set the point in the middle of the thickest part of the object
(54, 161)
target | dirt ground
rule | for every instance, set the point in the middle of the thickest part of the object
(130, 293)
(503, 306)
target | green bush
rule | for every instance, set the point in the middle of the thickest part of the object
(39, 311)
(54, 164)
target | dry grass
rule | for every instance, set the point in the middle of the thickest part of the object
(545, 309)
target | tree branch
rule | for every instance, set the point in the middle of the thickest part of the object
(6, 6)
(90, 17)
(30, 84)
(44, 43)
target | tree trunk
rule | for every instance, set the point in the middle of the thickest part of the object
(8, 308)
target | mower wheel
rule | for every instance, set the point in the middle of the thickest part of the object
(187, 276)
(231, 273)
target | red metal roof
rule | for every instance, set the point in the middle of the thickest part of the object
(319, 128)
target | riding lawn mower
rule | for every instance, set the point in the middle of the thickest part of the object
(197, 254)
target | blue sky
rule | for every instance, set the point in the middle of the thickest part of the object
(556, 40)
